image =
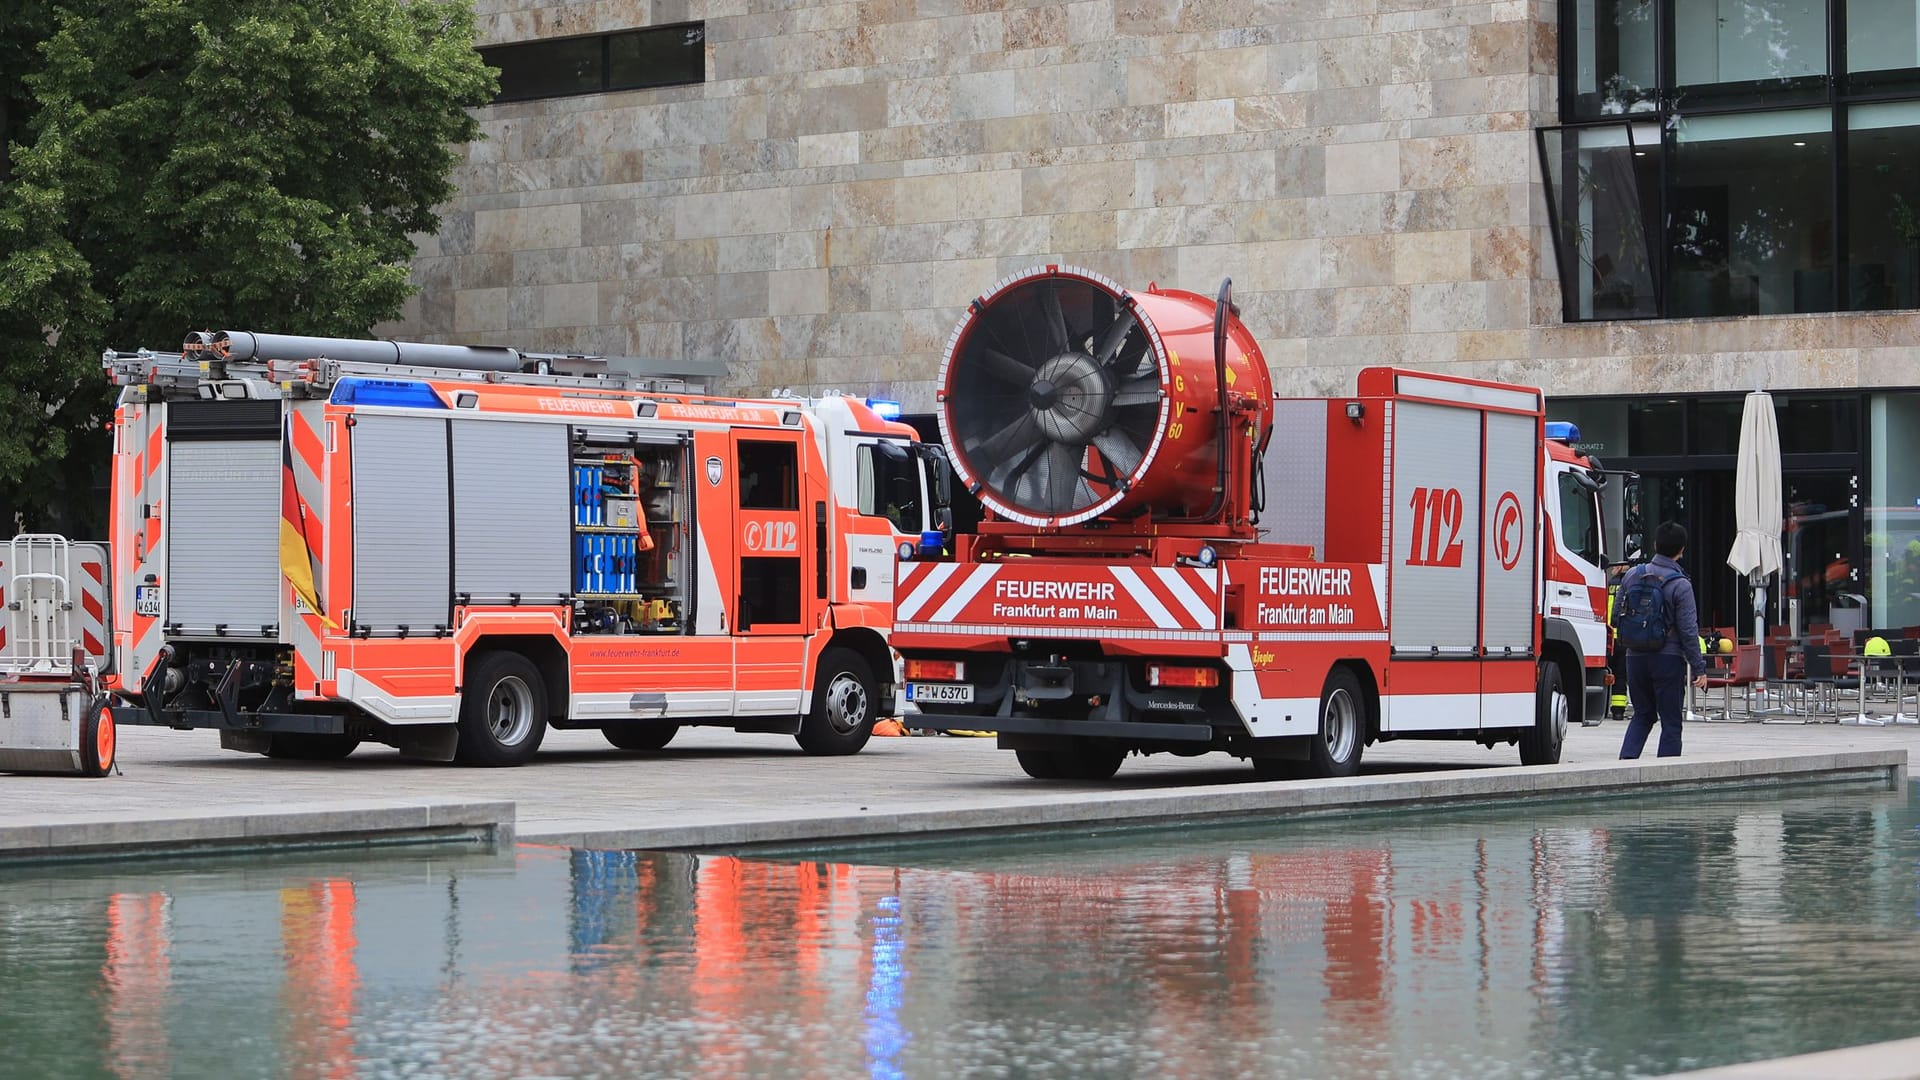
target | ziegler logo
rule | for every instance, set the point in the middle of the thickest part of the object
(1508, 536)
(1437, 514)
(771, 536)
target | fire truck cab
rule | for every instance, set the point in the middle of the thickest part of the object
(320, 542)
(1176, 561)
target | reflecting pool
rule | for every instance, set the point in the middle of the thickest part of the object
(1615, 938)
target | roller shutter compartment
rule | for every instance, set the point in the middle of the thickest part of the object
(511, 514)
(402, 575)
(223, 538)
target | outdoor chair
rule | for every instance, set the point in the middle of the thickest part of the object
(1744, 673)
(1821, 681)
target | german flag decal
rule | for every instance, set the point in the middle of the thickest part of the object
(296, 554)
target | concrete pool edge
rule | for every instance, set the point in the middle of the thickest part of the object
(1172, 806)
(1899, 1060)
(243, 829)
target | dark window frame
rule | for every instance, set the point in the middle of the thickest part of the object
(1842, 91)
(493, 55)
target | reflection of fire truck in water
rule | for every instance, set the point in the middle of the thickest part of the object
(1428, 564)
(319, 542)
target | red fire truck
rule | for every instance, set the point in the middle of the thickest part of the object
(318, 542)
(1175, 561)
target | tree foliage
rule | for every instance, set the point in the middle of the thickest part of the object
(196, 164)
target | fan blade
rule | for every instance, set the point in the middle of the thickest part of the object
(1001, 444)
(1063, 476)
(1119, 451)
(1000, 365)
(1142, 391)
(1056, 319)
(1116, 336)
(1016, 467)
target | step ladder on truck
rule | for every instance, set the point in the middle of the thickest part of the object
(1177, 560)
(53, 709)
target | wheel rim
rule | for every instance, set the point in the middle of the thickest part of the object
(1340, 724)
(1557, 715)
(510, 711)
(846, 703)
(104, 739)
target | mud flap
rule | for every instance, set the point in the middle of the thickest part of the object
(427, 742)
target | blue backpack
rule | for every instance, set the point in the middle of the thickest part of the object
(1640, 612)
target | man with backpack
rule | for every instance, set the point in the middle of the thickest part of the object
(1659, 628)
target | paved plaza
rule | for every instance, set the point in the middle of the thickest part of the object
(580, 790)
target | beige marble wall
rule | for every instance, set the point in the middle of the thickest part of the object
(819, 211)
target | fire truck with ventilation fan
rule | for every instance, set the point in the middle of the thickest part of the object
(1174, 560)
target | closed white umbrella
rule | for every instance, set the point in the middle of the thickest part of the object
(1756, 506)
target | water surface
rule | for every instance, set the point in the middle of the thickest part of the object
(1616, 938)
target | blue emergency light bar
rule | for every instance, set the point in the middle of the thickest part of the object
(883, 408)
(396, 392)
(1565, 431)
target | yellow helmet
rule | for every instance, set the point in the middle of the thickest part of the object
(1876, 646)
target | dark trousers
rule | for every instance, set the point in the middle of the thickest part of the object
(1657, 686)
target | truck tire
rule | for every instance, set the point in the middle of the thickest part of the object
(844, 706)
(503, 711)
(1335, 750)
(300, 746)
(1039, 764)
(1540, 744)
(641, 736)
(1090, 759)
(99, 742)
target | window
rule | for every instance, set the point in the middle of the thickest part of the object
(1616, 67)
(1611, 187)
(1883, 206)
(1762, 50)
(1736, 157)
(769, 591)
(629, 60)
(1883, 45)
(769, 476)
(1752, 225)
(890, 486)
(1579, 520)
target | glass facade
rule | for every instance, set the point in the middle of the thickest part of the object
(1850, 493)
(1736, 157)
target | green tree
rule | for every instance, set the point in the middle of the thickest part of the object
(190, 164)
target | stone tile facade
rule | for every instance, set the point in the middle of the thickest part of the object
(851, 174)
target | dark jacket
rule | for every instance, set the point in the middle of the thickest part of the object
(1683, 619)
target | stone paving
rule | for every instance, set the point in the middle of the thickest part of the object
(712, 777)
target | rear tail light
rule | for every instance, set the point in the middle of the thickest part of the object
(936, 670)
(1167, 675)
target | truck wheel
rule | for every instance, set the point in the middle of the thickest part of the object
(1343, 727)
(99, 742)
(299, 746)
(641, 736)
(1090, 760)
(503, 711)
(843, 706)
(1039, 764)
(1540, 744)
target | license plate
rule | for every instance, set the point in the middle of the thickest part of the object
(146, 600)
(951, 692)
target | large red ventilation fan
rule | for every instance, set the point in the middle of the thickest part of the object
(1065, 398)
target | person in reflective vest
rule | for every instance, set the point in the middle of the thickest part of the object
(1616, 656)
